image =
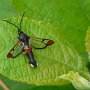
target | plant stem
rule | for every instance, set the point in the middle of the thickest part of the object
(3, 85)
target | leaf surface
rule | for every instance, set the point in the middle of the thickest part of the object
(78, 82)
(56, 60)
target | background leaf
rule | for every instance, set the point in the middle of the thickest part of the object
(85, 7)
(78, 82)
(88, 42)
(6, 9)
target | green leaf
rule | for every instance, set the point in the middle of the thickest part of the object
(69, 16)
(88, 41)
(56, 60)
(79, 82)
(85, 4)
(6, 9)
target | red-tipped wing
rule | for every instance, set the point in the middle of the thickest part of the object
(16, 50)
(40, 43)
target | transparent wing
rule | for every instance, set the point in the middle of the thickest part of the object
(40, 43)
(16, 50)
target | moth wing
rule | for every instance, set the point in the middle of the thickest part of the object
(16, 50)
(40, 43)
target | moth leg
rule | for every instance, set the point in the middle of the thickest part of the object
(27, 49)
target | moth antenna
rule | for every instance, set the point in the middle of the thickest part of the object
(21, 20)
(19, 29)
(11, 23)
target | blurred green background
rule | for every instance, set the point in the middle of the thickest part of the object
(7, 11)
